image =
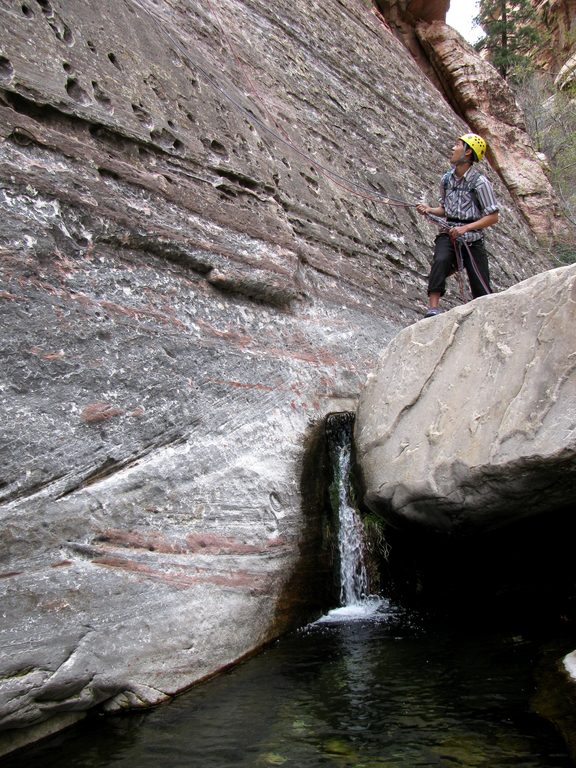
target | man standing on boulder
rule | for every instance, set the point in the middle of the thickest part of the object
(468, 203)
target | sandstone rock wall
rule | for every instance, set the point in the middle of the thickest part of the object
(558, 25)
(185, 294)
(402, 16)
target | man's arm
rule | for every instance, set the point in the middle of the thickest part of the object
(425, 209)
(485, 221)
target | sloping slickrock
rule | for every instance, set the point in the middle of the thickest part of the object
(488, 106)
(186, 293)
(469, 420)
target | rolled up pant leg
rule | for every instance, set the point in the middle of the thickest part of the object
(443, 265)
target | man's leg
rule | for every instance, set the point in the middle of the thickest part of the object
(442, 266)
(476, 263)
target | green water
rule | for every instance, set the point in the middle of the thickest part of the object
(387, 691)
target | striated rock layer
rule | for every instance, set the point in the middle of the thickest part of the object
(197, 265)
(469, 422)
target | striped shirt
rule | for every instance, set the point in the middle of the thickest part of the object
(467, 198)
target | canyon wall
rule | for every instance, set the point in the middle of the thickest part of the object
(204, 246)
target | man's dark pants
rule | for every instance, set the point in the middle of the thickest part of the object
(445, 264)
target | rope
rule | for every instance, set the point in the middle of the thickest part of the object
(460, 265)
(476, 270)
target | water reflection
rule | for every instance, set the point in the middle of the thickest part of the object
(379, 690)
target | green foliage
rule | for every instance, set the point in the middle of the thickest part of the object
(559, 145)
(375, 530)
(511, 35)
(565, 253)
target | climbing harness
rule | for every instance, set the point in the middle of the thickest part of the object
(460, 242)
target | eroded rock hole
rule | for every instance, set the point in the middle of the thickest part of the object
(312, 183)
(102, 133)
(216, 147)
(76, 92)
(27, 11)
(102, 97)
(143, 116)
(113, 60)
(243, 181)
(6, 69)
(63, 32)
(20, 137)
(226, 192)
(46, 8)
(166, 140)
(106, 173)
(27, 107)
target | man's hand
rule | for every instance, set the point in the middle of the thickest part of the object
(426, 209)
(456, 232)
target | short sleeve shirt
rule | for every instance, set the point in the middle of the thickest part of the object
(467, 198)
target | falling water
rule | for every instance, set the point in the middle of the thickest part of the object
(353, 576)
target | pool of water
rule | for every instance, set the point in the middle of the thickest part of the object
(371, 687)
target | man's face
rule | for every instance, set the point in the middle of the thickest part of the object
(457, 151)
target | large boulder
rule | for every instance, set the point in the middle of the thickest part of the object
(469, 419)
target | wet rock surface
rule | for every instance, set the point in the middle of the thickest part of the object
(468, 423)
(186, 293)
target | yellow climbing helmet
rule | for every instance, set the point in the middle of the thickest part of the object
(476, 144)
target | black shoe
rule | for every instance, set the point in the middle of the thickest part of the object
(433, 311)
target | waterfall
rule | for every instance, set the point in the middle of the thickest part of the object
(353, 576)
